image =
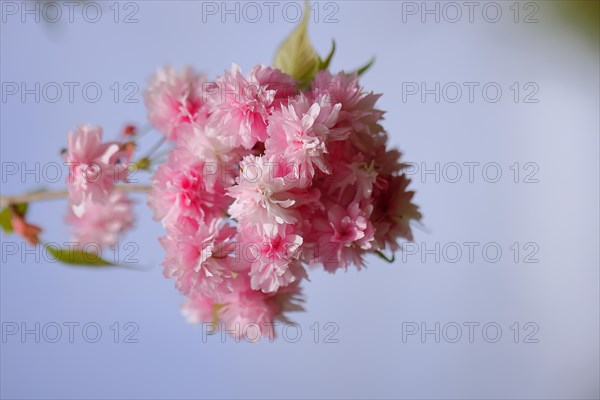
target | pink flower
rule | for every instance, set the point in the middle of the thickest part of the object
(261, 196)
(94, 167)
(273, 79)
(394, 212)
(245, 313)
(198, 257)
(251, 314)
(175, 99)
(241, 105)
(198, 309)
(357, 106)
(273, 258)
(102, 223)
(343, 235)
(353, 175)
(206, 143)
(299, 134)
(184, 186)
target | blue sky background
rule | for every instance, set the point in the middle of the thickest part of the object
(559, 133)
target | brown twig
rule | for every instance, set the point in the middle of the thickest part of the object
(6, 201)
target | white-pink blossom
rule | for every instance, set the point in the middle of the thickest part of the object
(102, 222)
(94, 167)
(197, 257)
(175, 99)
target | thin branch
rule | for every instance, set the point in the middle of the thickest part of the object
(6, 201)
(156, 146)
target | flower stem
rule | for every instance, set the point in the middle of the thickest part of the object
(156, 146)
(7, 201)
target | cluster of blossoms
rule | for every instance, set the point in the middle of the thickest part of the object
(265, 178)
(98, 212)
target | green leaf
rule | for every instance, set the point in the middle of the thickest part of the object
(365, 67)
(324, 64)
(5, 215)
(296, 56)
(76, 257)
(5, 220)
(22, 208)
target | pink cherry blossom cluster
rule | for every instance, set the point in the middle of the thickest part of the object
(264, 179)
(97, 211)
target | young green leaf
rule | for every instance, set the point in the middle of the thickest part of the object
(5, 220)
(296, 56)
(324, 64)
(76, 257)
(365, 67)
